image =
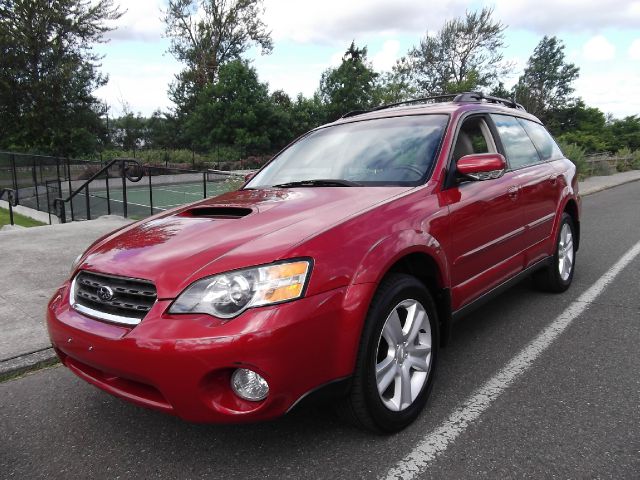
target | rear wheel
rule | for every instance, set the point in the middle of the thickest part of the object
(397, 357)
(558, 276)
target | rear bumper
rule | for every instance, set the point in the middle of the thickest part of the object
(182, 365)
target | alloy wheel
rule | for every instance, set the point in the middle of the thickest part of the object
(565, 252)
(403, 357)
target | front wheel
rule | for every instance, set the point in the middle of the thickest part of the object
(397, 357)
(558, 276)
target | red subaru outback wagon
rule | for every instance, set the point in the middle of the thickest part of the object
(337, 270)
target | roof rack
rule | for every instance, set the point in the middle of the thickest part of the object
(353, 113)
(456, 97)
(479, 97)
(415, 100)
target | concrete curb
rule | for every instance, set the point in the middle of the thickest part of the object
(600, 188)
(21, 364)
(31, 213)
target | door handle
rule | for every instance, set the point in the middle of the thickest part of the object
(513, 192)
(553, 179)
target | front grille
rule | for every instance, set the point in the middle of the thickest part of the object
(115, 299)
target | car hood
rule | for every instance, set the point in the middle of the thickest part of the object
(235, 230)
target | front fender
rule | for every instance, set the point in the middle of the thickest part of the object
(390, 249)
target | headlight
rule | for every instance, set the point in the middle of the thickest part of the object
(229, 294)
(75, 263)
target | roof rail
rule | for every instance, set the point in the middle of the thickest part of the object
(353, 113)
(456, 97)
(479, 97)
(414, 100)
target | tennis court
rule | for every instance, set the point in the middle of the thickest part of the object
(164, 197)
(146, 197)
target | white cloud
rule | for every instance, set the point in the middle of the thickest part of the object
(339, 21)
(145, 90)
(616, 90)
(386, 58)
(598, 49)
(335, 60)
(634, 50)
(551, 17)
(142, 21)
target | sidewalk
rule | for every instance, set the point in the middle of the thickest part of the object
(597, 184)
(35, 261)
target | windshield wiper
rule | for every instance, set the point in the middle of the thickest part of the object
(318, 183)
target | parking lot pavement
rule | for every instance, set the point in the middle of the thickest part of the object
(574, 413)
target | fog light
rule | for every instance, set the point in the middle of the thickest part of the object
(249, 385)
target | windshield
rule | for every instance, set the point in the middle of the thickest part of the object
(386, 151)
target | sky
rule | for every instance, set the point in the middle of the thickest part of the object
(601, 37)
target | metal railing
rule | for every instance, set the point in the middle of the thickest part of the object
(11, 196)
(37, 179)
(75, 189)
(108, 191)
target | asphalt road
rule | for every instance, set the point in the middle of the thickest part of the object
(574, 414)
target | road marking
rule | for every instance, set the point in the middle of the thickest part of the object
(119, 201)
(439, 440)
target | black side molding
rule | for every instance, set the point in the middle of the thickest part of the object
(497, 290)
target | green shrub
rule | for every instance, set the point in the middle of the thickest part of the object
(224, 157)
(623, 159)
(602, 167)
(576, 154)
(635, 160)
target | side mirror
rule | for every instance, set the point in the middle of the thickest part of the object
(249, 176)
(482, 166)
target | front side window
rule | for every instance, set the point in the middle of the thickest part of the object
(543, 141)
(386, 151)
(473, 137)
(518, 147)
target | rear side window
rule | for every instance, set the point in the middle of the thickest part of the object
(518, 147)
(543, 141)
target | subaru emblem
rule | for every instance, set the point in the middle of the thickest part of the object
(105, 293)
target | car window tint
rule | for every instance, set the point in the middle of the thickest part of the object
(543, 141)
(518, 147)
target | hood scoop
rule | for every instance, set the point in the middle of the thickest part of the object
(228, 213)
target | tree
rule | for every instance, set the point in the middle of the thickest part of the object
(465, 54)
(396, 86)
(580, 125)
(625, 133)
(206, 34)
(306, 114)
(160, 131)
(351, 86)
(129, 132)
(547, 81)
(235, 110)
(500, 91)
(48, 73)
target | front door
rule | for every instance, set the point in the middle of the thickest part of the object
(486, 221)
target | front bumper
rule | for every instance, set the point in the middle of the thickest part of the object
(182, 364)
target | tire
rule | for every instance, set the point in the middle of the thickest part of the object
(558, 276)
(405, 358)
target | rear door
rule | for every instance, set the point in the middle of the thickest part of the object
(486, 220)
(530, 152)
